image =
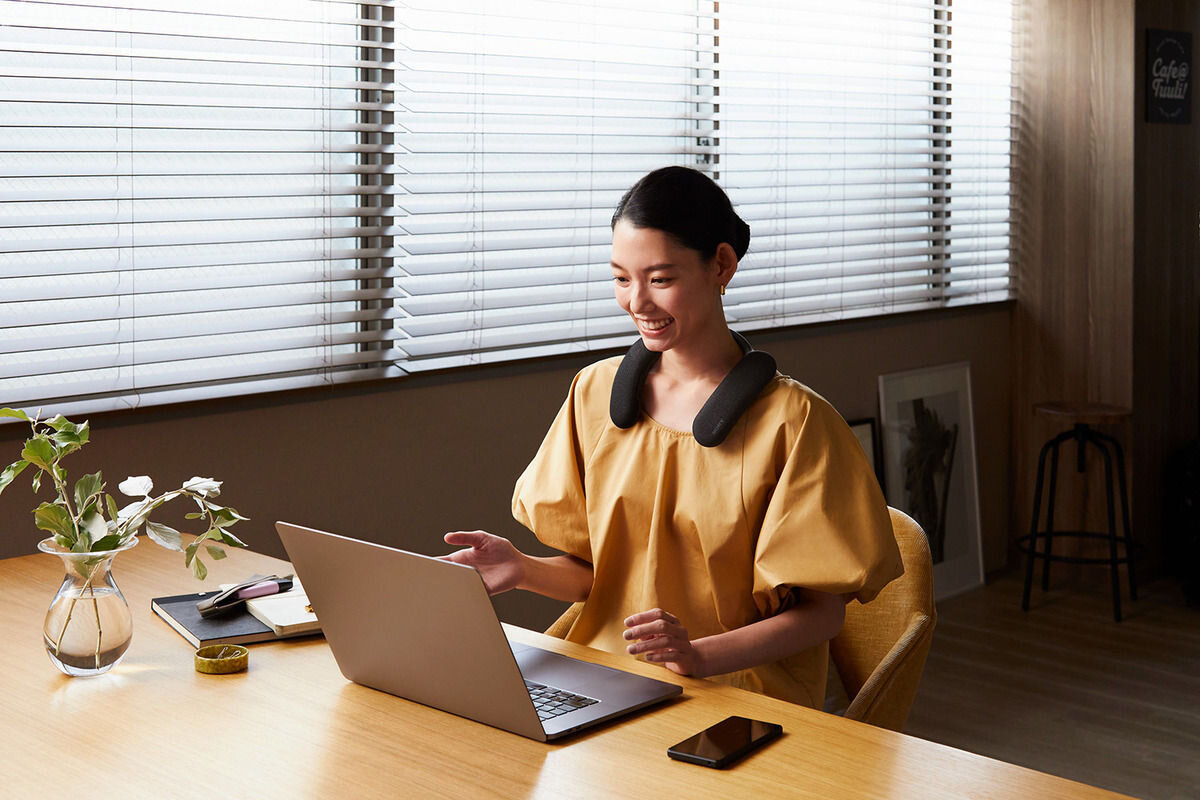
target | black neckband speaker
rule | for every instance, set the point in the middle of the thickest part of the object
(722, 409)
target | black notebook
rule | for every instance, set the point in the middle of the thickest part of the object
(237, 627)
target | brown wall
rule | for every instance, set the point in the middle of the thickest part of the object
(1166, 372)
(404, 461)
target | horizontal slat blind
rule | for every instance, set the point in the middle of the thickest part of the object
(186, 190)
(519, 125)
(866, 143)
(239, 196)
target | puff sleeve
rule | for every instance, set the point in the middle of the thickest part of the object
(826, 525)
(549, 497)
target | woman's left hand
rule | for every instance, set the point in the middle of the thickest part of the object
(659, 637)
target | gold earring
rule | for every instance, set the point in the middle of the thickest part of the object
(722, 290)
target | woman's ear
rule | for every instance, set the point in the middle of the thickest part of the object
(726, 262)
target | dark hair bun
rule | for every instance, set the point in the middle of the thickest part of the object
(687, 204)
(741, 241)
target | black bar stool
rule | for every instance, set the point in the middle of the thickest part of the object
(1082, 416)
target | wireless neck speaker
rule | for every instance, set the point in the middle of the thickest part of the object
(722, 409)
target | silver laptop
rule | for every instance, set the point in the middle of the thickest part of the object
(424, 629)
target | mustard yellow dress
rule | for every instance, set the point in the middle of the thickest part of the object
(717, 536)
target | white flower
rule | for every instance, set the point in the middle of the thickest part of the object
(205, 487)
(136, 486)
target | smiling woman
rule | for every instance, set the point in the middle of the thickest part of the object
(728, 556)
(675, 247)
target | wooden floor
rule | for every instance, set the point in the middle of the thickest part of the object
(1066, 690)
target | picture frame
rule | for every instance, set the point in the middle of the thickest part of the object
(1168, 71)
(867, 433)
(930, 467)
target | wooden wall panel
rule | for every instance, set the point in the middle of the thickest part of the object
(1073, 181)
(1108, 254)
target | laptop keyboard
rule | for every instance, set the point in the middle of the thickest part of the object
(552, 702)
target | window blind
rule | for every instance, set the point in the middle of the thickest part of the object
(247, 196)
(190, 200)
(519, 125)
(866, 143)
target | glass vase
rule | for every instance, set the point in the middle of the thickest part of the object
(88, 626)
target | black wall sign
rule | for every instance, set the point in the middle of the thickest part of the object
(1168, 76)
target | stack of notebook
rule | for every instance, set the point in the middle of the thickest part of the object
(275, 616)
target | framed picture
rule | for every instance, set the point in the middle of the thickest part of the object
(929, 467)
(865, 431)
(1168, 76)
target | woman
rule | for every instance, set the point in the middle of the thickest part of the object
(715, 516)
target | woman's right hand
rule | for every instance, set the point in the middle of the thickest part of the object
(500, 564)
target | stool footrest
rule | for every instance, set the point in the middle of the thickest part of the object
(1026, 547)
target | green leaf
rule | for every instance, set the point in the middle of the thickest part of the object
(85, 433)
(231, 540)
(133, 515)
(86, 489)
(15, 413)
(61, 424)
(189, 553)
(111, 505)
(54, 518)
(39, 452)
(93, 524)
(199, 570)
(216, 552)
(223, 512)
(11, 472)
(37, 480)
(193, 515)
(67, 440)
(164, 535)
(107, 542)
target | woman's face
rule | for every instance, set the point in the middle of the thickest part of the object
(668, 289)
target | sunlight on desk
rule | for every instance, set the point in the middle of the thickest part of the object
(292, 726)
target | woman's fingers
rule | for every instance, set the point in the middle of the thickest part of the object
(659, 637)
(654, 631)
(466, 538)
(649, 617)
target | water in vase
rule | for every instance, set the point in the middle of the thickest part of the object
(87, 630)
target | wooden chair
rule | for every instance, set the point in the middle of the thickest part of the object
(880, 653)
(560, 626)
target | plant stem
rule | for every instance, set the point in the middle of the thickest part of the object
(99, 628)
(87, 584)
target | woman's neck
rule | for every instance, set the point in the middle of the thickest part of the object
(684, 378)
(707, 360)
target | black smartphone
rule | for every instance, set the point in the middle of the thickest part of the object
(725, 742)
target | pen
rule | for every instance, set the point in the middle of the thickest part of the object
(264, 588)
(235, 596)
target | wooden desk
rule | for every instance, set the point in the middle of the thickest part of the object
(292, 727)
